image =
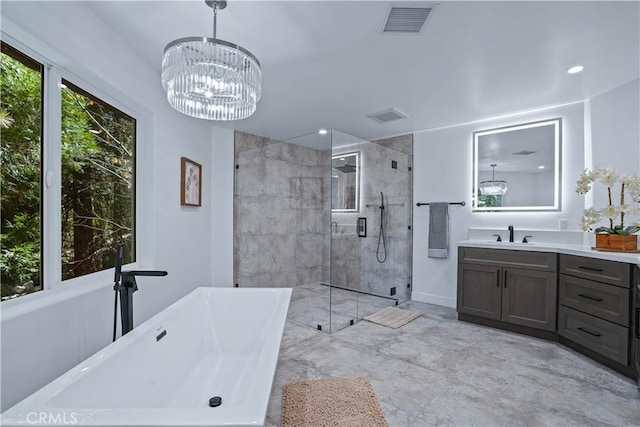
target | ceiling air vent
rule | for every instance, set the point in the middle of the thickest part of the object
(407, 20)
(388, 115)
(523, 153)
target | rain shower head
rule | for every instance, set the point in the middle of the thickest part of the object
(346, 168)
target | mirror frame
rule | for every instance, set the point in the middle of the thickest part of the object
(557, 124)
(356, 154)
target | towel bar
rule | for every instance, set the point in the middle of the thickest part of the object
(451, 203)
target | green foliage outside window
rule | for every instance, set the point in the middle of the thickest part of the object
(487, 201)
(98, 179)
(20, 153)
(97, 182)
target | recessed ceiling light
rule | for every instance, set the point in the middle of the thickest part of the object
(342, 158)
(575, 69)
(322, 131)
(541, 167)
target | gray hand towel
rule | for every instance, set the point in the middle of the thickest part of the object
(439, 230)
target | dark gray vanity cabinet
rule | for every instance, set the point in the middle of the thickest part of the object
(596, 301)
(513, 287)
(480, 290)
(594, 309)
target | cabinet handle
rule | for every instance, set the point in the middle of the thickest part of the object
(637, 323)
(497, 280)
(584, 267)
(505, 278)
(590, 297)
(595, 334)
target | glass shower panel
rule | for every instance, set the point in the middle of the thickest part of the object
(329, 216)
(399, 235)
(371, 268)
(346, 208)
(384, 204)
(281, 220)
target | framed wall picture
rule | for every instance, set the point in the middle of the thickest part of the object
(190, 182)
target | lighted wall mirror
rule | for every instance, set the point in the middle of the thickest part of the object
(517, 168)
(345, 182)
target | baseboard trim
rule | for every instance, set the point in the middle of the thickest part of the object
(629, 371)
(433, 299)
(518, 329)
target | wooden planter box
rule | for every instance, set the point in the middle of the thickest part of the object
(617, 242)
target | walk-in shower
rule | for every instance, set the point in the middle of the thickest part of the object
(302, 209)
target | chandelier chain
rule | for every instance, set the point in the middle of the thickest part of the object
(215, 17)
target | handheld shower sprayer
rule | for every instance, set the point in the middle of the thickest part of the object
(381, 251)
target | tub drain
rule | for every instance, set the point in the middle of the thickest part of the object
(215, 401)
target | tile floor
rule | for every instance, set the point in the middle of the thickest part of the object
(437, 370)
(310, 305)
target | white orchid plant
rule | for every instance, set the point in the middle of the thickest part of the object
(629, 186)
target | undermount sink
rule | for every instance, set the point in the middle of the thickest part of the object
(514, 243)
(503, 243)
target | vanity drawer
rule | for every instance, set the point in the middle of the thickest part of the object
(603, 337)
(547, 261)
(605, 301)
(613, 272)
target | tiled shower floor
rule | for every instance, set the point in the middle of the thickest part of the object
(310, 305)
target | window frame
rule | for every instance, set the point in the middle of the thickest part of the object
(51, 228)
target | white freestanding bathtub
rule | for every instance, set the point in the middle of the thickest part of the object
(213, 342)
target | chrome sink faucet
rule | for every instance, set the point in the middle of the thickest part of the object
(510, 228)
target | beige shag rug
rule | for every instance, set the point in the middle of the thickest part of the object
(392, 317)
(340, 402)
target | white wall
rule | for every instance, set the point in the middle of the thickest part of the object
(222, 190)
(615, 128)
(54, 330)
(443, 172)
(611, 121)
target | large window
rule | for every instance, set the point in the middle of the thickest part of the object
(94, 149)
(98, 144)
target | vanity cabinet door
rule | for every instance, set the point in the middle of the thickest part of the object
(529, 298)
(479, 290)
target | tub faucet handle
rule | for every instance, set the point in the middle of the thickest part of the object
(499, 239)
(525, 239)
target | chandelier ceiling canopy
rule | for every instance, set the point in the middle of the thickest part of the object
(209, 78)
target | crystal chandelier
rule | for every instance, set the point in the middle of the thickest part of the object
(493, 187)
(209, 78)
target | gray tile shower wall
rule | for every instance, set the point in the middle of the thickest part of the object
(283, 233)
(281, 213)
(353, 260)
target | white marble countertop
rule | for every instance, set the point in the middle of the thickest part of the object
(580, 250)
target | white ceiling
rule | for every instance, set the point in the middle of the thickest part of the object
(522, 150)
(326, 64)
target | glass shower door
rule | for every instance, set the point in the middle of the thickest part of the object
(346, 208)
(371, 239)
